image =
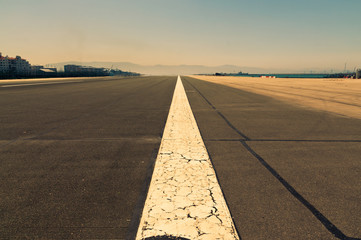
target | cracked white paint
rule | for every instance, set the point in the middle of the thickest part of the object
(184, 197)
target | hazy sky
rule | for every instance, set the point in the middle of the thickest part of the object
(291, 34)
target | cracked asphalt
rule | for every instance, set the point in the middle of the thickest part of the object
(184, 198)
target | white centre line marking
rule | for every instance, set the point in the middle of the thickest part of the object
(184, 197)
(31, 84)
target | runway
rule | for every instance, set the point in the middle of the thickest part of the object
(76, 159)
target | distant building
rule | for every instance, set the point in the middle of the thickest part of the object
(17, 65)
(36, 67)
(358, 73)
(4, 64)
(71, 68)
(47, 70)
(21, 65)
(84, 71)
(40, 71)
(52, 69)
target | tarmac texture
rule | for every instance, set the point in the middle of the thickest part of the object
(76, 159)
(286, 172)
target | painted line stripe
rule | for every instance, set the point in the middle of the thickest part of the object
(184, 198)
(31, 84)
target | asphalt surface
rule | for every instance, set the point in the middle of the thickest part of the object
(286, 172)
(75, 157)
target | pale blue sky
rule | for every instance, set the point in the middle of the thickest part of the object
(256, 33)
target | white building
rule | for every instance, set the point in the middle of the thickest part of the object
(15, 65)
(4, 64)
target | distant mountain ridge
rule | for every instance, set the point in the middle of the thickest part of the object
(184, 69)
